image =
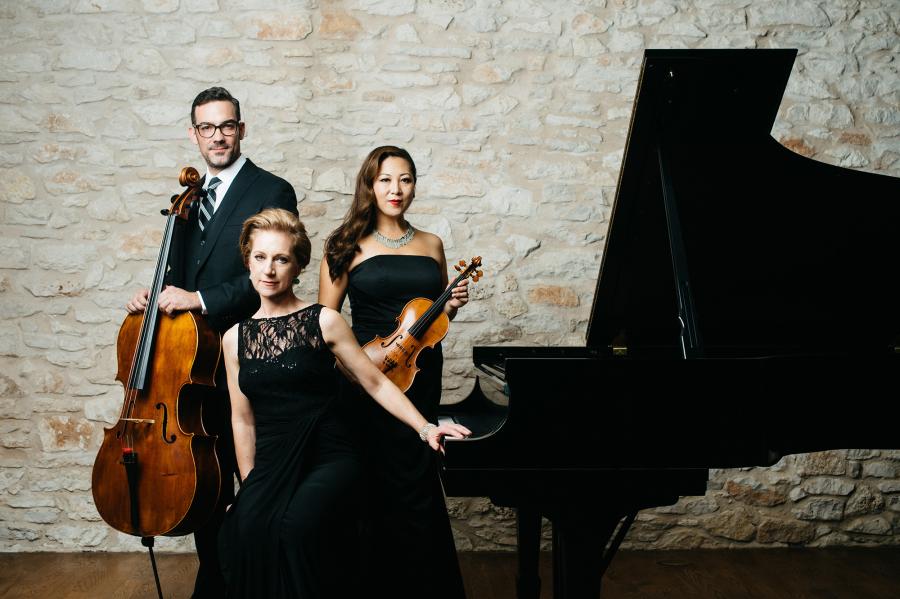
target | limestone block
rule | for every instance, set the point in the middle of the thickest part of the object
(824, 66)
(160, 6)
(681, 29)
(403, 80)
(104, 409)
(146, 61)
(510, 201)
(820, 508)
(587, 24)
(523, 245)
(873, 21)
(407, 33)
(596, 78)
(9, 479)
(822, 463)
(475, 94)
(14, 253)
(17, 120)
(173, 33)
(451, 184)
(24, 62)
(888, 486)
(402, 66)
(874, 525)
(736, 524)
(883, 115)
(434, 52)
(864, 501)
(511, 305)
(441, 227)
(678, 539)
(554, 295)
(14, 408)
(588, 47)
(880, 469)
(102, 6)
(752, 492)
(66, 433)
(336, 180)
(15, 434)
(66, 258)
(787, 12)
(699, 506)
(19, 532)
(86, 58)
(201, 5)
(77, 537)
(773, 530)
(283, 27)
(54, 479)
(387, 8)
(847, 157)
(80, 359)
(626, 41)
(827, 486)
(491, 73)
(339, 26)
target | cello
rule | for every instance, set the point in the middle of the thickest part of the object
(422, 323)
(157, 472)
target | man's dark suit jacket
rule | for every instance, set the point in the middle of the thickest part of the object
(210, 261)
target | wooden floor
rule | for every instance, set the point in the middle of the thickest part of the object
(769, 574)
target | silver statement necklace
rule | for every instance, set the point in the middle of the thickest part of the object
(398, 242)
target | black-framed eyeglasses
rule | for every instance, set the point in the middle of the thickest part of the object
(228, 128)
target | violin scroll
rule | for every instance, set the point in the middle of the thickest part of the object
(471, 270)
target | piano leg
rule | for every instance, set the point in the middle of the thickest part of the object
(528, 582)
(583, 547)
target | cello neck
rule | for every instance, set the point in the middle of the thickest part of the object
(141, 363)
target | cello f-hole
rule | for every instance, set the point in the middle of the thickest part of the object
(165, 423)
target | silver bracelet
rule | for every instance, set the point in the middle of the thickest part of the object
(423, 433)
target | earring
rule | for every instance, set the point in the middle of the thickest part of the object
(296, 280)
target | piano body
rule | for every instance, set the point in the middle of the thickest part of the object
(742, 287)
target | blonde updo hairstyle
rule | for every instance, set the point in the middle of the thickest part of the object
(282, 221)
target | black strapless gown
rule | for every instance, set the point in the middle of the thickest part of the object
(408, 548)
(288, 532)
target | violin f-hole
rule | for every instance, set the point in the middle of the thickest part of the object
(396, 338)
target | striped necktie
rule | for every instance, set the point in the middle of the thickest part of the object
(208, 203)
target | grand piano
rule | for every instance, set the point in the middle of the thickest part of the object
(743, 288)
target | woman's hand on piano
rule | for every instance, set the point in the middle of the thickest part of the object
(435, 434)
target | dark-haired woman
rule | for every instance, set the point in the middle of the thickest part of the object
(380, 261)
(282, 537)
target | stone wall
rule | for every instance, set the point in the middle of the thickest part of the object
(516, 113)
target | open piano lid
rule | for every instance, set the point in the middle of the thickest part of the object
(782, 255)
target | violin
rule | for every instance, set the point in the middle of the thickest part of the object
(422, 323)
(156, 472)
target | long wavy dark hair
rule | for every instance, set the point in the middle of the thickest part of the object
(343, 243)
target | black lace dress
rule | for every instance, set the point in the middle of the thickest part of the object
(408, 544)
(293, 516)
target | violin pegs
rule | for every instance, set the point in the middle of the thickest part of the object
(462, 262)
(457, 268)
(479, 273)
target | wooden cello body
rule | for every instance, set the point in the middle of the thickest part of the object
(422, 323)
(156, 472)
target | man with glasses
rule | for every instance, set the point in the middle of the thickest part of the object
(207, 274)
